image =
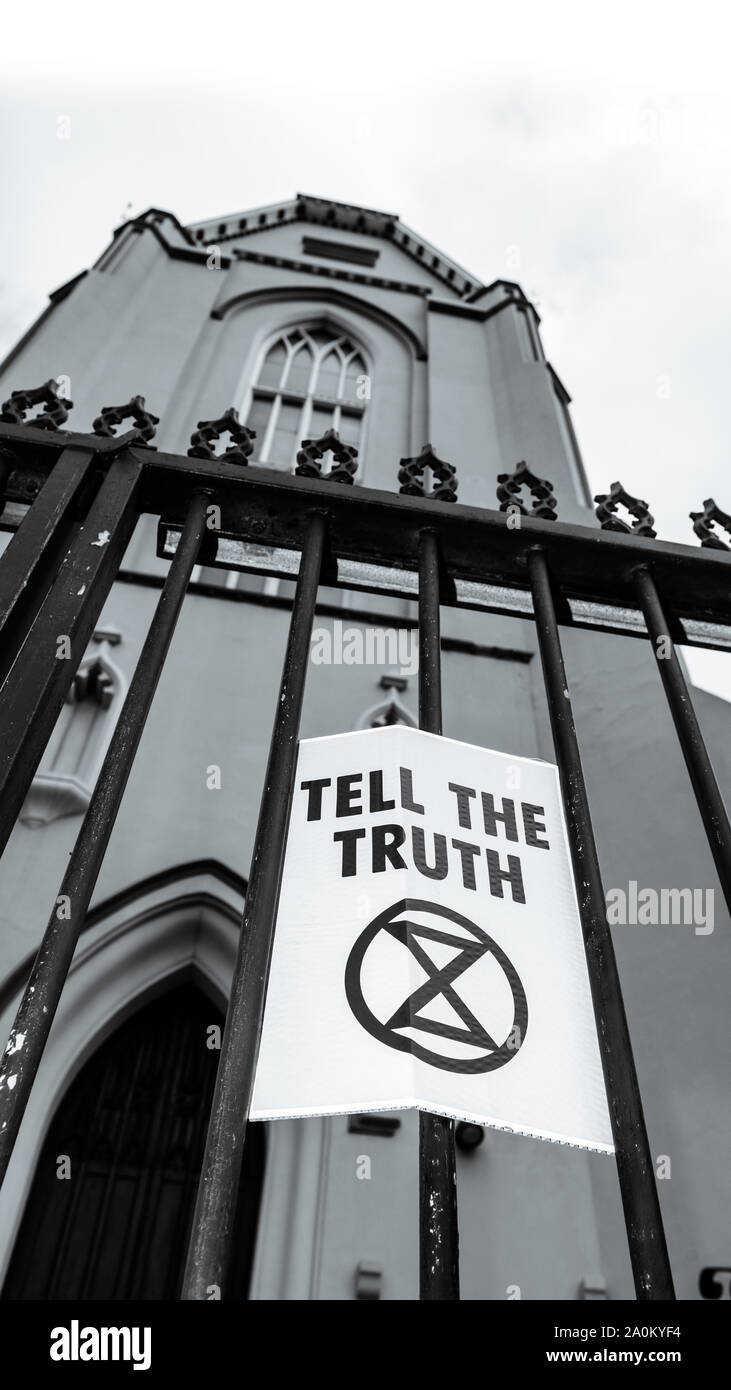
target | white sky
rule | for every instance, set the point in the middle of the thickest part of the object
(581, 151)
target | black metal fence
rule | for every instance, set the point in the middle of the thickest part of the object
(77, 498)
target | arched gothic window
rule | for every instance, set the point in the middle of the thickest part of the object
(310, 380)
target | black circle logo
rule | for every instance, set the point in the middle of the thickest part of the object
(461, 944)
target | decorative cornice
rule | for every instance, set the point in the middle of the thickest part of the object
(202, 239)
(289, 293)
(390, 227)
(180, 253)
(195, 255)
(151, 217)
(350, 215)
(460, 310)
(356, 277)
(345, 217)
(513, 288)
(421, 252)
(469, 308)
(303, 208)
(514, 294)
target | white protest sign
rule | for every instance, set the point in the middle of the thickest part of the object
(428, 949)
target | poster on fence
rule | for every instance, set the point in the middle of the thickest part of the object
(428, 949)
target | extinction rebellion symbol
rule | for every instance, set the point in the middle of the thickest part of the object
(472, 998)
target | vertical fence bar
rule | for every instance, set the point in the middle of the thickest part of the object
(37, 547)
(35, 1014)
(36, 687)
(705, 786)
(210, 1243)
(643, 1218)
(438, 1229)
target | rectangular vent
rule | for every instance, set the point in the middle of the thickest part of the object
(339, 251)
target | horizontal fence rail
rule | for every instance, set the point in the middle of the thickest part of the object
(72, 502)
(264, 509)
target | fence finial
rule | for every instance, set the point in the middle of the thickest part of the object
(15, 409)
(617, 496)
(703, 525)
(134, 409)
(545, 506)
(444, 476)
(312, 452)
(241, 437)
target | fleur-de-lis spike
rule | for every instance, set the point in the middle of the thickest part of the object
(605, 512)
(242, 439)
(312, 452)
(112, 415)
(15, 409)
(411, 476)
(703, 525)
(509, 489)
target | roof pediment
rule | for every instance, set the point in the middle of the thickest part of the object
(324, 212)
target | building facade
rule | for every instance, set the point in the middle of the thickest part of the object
(305, 316)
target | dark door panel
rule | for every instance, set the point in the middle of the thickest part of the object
(131, 1131)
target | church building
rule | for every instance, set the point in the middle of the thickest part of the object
(305, 316)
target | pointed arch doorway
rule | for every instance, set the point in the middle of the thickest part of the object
(132, 1126)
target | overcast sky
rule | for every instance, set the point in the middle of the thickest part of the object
(581, 151)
